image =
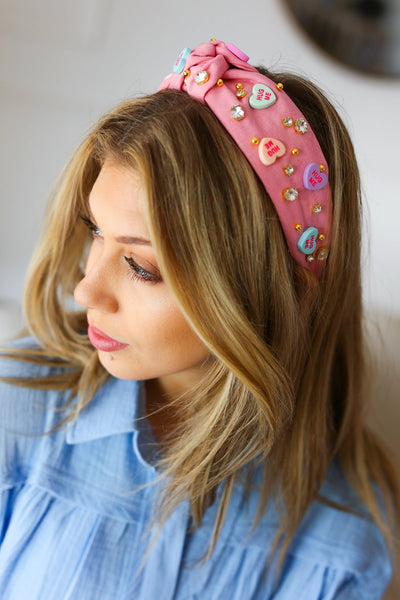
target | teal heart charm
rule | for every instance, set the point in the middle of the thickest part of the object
(308, 241)
(261, 96)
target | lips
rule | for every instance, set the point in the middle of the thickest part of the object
(103, 342)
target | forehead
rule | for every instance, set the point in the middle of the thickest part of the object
(118, 191)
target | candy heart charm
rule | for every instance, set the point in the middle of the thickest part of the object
(262, 96)
(308, 241)
(313, 177)
(269, 150)
(181, 60)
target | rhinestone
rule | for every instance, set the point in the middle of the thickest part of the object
(241, 93)
(321, 237)
(298, 227)
(310, 258)
(316, 208)
(289, 170)
(201, 77)
(220, 82)
(323, 254)
(321, 168)
(239, 86)
(237, 112)
(301, 126)
(186, 73)
(255, 141)
(287, 121)
(279, 86)
(290, 194)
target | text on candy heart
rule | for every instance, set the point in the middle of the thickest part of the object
(271, 148)
(263, 94)
(309, 243)
(315, 178)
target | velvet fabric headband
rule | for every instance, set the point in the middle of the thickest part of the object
(274, 136)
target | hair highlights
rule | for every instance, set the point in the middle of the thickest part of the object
(287, 380)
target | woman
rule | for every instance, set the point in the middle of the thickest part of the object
(196, 431)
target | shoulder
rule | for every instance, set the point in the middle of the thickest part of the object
(334, 551)
(26, 413)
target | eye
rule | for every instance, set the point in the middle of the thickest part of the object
(94, 230)
(137, 272)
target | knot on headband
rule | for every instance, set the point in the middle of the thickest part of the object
(274, 136)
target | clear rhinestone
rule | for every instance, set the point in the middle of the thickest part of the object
(290, 194)
(287, 121)
(289, 170)
(309, 258)
(237, 112)
(323, 254)
(301, 126)
(317, 208)
(201, 77)
(241, 93)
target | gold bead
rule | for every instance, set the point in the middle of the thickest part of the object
(255, 141)
(294, 151)
(213, 40)
(321, 168)
(298, 227)
(279, 86)
(220, 82)
(186, 73)
(321, 237)
(239, 86)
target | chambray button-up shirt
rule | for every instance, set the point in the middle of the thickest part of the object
(75, 507)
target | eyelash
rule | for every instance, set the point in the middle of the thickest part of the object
(94, 230)
(136, 272)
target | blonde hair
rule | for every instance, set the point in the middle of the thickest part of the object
(287, 381)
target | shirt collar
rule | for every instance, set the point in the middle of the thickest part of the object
(117, 407)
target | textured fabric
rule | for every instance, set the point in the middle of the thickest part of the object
(272, 152)
(75, 508)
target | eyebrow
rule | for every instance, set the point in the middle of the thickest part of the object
(123, 239)
(137, 241)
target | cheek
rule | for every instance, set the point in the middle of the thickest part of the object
(181, 338)
(172, 333)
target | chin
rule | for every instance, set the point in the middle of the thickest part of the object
(115, 366)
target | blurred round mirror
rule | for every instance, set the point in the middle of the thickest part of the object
(364, 34)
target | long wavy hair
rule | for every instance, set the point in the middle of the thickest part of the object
(286, 388)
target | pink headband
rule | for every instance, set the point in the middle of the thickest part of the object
(274, 136)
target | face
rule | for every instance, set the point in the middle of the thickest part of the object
(134, 322)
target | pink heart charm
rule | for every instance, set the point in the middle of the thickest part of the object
(269, 150)
(313, 177)
(261, 96)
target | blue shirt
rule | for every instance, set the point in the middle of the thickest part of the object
(75, 508)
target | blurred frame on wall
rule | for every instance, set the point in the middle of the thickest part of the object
(363, 34)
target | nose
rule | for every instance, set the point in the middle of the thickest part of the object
(96, 290)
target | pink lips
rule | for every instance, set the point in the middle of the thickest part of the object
(101, 341)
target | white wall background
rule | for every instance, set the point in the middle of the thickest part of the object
(62, 64)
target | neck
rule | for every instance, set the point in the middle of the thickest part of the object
(161, 410)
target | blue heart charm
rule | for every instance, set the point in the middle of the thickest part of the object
(181, 60)
(308, 240)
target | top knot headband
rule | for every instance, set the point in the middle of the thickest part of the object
(274, 136)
